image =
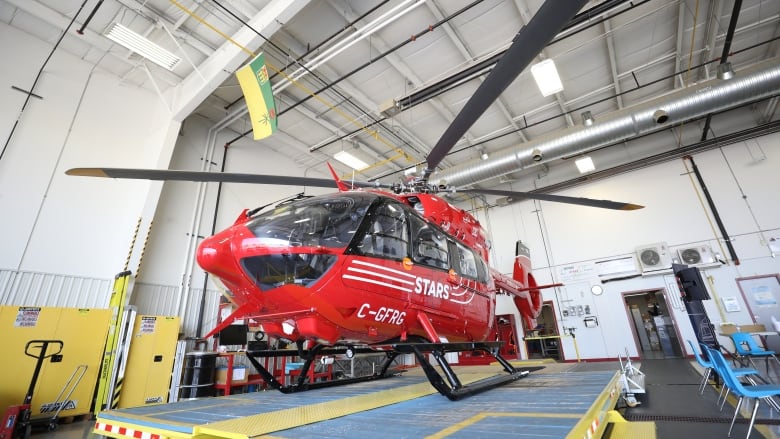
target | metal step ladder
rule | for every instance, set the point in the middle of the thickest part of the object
(633, 380)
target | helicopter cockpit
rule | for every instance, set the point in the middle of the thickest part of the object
(320, 221)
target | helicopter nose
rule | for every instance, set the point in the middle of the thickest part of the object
(216, 257)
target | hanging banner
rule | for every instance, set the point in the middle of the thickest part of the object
(256, 87)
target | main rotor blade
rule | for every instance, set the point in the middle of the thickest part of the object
(543, 27)
(604, 204)
(222, 177)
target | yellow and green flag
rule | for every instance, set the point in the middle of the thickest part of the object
(253, 78)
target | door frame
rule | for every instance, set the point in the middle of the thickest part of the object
(665, 295)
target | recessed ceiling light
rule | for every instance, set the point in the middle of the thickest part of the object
(350, 160)
(142, 46)
(585, 164)
(546, 77)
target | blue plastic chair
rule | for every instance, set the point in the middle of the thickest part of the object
(746, 347)
(703, 363)
(742, 372)
(758, 391)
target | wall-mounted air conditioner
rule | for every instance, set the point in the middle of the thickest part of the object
(654, 257)
(696, 255)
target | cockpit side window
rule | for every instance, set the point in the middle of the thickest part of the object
(467, 262)
(429, 244)
(388, 234)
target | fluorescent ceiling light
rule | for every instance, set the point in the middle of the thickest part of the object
(585, 164)
(350, 160)
(546, 76)
(142, 46)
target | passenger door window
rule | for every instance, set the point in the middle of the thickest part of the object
(388, 234)
(429, 245)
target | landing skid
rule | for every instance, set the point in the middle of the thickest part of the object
(309, 356)
(453, 388)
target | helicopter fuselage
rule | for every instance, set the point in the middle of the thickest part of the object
(358, 267)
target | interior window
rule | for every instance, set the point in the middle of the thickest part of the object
(430, 245)
(388, 234)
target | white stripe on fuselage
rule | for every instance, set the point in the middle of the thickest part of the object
(385, 276)
(382, 267)
(377, 282)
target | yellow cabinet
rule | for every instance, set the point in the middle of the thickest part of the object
(149, 366)
(83, 335)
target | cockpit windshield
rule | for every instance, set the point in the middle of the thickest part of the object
(320, 221)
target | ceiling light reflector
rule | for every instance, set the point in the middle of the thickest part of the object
(546, 77)
(585, 164)
(350, 160)
(142, 46)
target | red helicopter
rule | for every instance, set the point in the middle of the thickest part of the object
(394, 268)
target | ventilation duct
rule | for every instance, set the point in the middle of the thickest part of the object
(760, 81)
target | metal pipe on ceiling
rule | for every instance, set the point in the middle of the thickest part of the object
(760, 81)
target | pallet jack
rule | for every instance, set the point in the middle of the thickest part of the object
(16, 421)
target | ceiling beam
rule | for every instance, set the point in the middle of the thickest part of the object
(469, 57)
(525, 17)
(198, 85)
(399, 65)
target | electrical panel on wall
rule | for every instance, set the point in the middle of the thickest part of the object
(697, 255)
(654, 257)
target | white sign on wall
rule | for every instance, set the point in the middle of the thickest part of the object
(730, 304)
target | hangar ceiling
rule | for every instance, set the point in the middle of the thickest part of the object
(384, 79)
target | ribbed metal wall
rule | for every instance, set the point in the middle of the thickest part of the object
(163, 300)
(27, 288)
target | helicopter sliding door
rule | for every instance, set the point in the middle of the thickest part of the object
(413, 265)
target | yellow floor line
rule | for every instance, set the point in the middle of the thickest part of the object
(480, 416)
(256, 425)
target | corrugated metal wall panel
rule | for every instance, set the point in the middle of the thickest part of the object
(154, 299)
(26, 288)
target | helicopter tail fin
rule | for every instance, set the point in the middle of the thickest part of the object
(341, 185)
(531, 305)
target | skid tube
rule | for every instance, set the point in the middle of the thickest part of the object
(453, 388)
(309, 357)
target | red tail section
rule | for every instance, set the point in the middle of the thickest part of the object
(531, 305)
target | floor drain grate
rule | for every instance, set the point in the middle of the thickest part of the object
(704, 419)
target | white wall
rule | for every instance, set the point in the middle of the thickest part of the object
(61, 224)
(567, 240)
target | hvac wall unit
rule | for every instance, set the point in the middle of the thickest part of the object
(654, 258)
(696, 255)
